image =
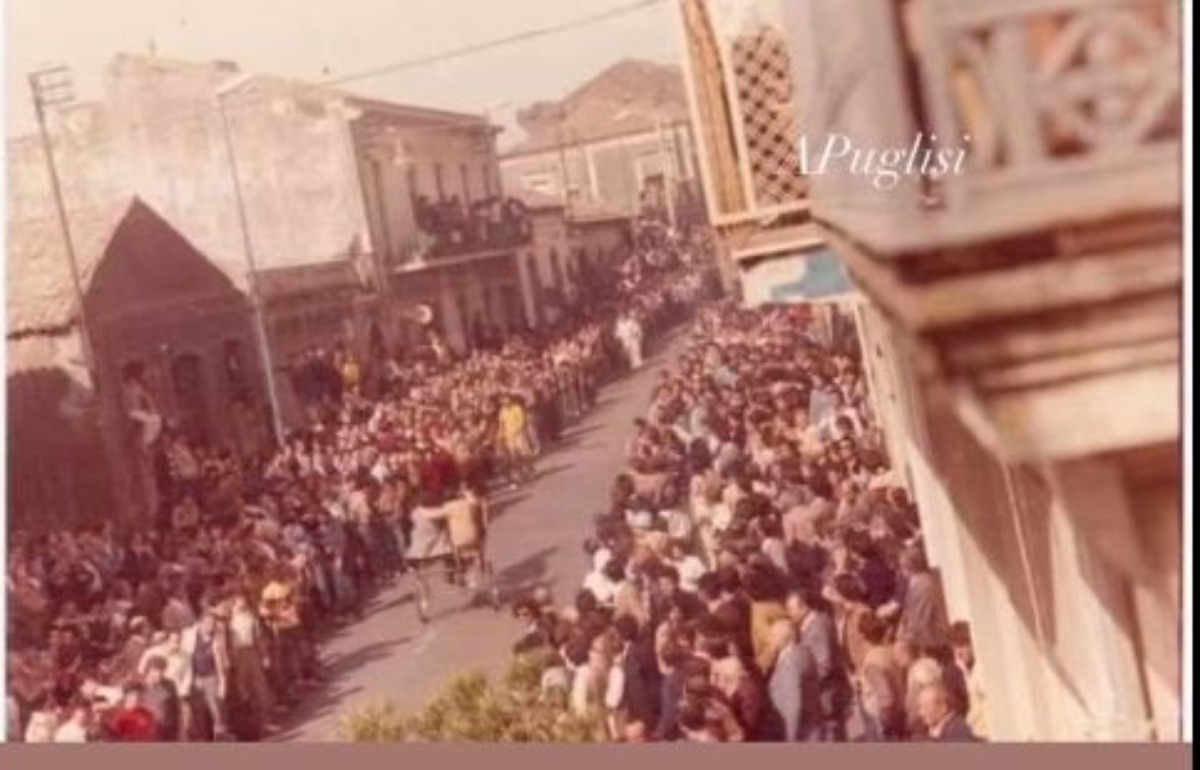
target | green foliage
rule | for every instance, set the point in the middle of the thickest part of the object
(473, 709)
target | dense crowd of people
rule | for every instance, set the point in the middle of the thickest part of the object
(209, 625)
(758, 574)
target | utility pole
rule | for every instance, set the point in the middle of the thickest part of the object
(260, 329)
(52, 87)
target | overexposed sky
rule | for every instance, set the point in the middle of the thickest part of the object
(318, 39)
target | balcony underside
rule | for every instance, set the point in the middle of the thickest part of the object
(1058, 345)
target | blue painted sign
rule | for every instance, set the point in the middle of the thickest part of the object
(821, 277)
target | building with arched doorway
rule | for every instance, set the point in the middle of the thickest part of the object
(161, 317)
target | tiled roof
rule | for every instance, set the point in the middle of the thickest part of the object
(630, 97)
(41, 293)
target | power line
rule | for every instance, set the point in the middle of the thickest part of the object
(234, 103)
(519, 37)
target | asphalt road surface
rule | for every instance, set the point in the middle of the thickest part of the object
(536, 540)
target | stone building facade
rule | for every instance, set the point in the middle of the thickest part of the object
(412, 157)
(153, 304)
(621, 141)
(327, 183)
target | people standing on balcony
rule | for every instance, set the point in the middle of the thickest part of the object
(454, 228)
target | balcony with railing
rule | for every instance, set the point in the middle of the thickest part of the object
(451, 229)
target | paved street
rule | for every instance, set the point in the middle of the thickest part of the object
(537, 539)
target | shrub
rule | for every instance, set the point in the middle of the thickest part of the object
(473, 709)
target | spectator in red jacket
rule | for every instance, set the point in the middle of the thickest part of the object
(132, 722)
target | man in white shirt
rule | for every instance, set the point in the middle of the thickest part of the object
(105, 697)
(600, 581)
(75, 728)
(629, 331)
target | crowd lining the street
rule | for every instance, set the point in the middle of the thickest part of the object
(209, 624)
(758, 574)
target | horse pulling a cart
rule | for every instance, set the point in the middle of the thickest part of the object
(450, 536)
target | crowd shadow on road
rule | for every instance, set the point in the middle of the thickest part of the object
(509, 584)
(518, 579)
(505, 502)
(334, 691)
(553, 470)
(575, 438)
(406, 598)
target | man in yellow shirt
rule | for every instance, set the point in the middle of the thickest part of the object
(280, 613)
(351, 374)
(514, 440)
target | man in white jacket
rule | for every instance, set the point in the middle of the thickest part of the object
(629, 331)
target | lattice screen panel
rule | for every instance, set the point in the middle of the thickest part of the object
(763, 81)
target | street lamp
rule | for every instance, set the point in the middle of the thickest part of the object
(260, 329)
